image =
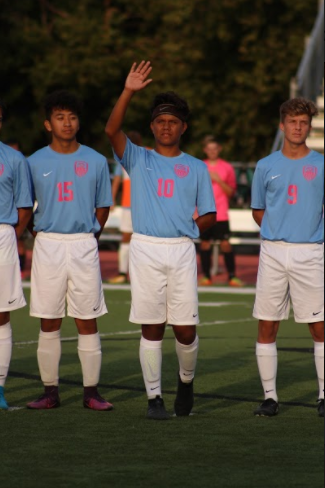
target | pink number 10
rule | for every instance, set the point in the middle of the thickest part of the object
(293, 194)
(166, 188)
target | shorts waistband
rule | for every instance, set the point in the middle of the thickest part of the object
(63, 237)
(5, 226)
(161, 240)
(292, 244)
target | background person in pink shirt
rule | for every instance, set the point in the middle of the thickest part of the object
(224, 187)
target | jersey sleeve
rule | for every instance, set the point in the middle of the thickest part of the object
(104, 190)
(205, 198)
(131, 156)
(258, 189)
(22, 184)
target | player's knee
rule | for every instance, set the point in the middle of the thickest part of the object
(225, 246)
(153, 332)
(205, 245)
(267, 331)
(185, 335)
(317, 331)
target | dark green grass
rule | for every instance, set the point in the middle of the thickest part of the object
(223, 445)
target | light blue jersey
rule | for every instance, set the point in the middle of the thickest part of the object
(292, 194)
(165, 192)
(118, 170)
(15, 184)
(68, 188)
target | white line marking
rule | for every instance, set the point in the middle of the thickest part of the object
(139, 331)
(222, 304)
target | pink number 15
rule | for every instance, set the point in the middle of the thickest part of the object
(65, 193)
(293, 194)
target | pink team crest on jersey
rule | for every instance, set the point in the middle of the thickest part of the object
(81, 168)
(181, 170)
(2, 169)
(310, 172)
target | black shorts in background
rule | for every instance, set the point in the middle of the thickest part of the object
(219, 232)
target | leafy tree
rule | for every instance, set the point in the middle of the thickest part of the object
(232, 60)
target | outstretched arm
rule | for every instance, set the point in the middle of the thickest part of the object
(136, 81)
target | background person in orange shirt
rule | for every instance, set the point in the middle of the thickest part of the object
(121, 177)
(224, 186)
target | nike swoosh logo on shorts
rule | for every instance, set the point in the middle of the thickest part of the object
(95, 309)
(275, 177)
(316, 314)
(47, 174)
(12, 301)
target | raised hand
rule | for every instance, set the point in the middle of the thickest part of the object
(138, 76)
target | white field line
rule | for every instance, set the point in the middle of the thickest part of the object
(223, 290)
(139, 331)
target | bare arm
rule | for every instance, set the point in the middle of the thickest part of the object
(229, 191)
(204, 222)
(24, 216)
(258, 216)
(136, 81)
(102, 216)
(115, 187)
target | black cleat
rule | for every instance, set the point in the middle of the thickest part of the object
(320, 408)
(185, 399)
(156, 409)
(269, 408)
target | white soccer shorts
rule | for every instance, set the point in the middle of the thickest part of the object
(163, 275)
(11, 292)
(293, 271)
(66, 267)
(126, 221)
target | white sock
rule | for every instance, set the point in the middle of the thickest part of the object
(49, 355)
(151, 362)
(90, 355)
(123, 258)
(187, 357)
(5, 351)
(319, 361)
(267, 360)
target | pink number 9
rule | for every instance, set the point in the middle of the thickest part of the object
(293, 194)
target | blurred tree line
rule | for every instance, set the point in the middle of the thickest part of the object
(231, 59)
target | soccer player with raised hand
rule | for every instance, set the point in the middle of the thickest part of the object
(16, 207)
(167, 186)
(287, 202)
(71, 184)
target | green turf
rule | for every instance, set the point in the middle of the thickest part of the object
(223, 445)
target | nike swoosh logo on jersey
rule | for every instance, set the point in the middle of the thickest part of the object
(275, 177)
(47, 174)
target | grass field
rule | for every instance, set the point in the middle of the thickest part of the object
(223, 445)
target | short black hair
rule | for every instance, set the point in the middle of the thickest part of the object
(64, 100)
(3, 107)
(173, 99)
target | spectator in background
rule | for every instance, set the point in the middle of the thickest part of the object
(21, 241)
(121, 177)
(224, 185)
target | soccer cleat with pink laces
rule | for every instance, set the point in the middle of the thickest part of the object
(94, 401)
(49, 400)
